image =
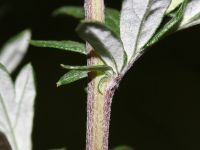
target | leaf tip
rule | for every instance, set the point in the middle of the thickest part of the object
(58, 84)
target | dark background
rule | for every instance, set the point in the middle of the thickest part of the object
(155, 108)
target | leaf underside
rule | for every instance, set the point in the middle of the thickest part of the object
(105, 42)
(174, 4)
(191, 16)
(14, 50)
(16, 107)
(139, 21)
(169, 26)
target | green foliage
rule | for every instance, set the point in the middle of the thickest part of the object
(107, 45)
(87, 68)
(169, 26)
(73, 11)
(72, 76)
(112, 16)
(124, 36)
(63, 45)
(174, 4)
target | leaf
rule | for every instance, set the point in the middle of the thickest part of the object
(111, 16)
(174, 4)
(72, 76)
(191, 15)
(122, 148)
(14, 50)
(88, 68)
(139, 21)
(24, 98)
(74, 11)
(105, 42)
(16, 110)
(169, 26)
(63, 45)
(112, 20)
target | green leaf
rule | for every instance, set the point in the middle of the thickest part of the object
(123, 148)
(112, 16)
(72, 76)
(192, 14)
(16, 107)
(169, 26)
(105, 42)
(174, 4)
(74, 11)
(63, 45)
(139, 21)
(112, 20)
(14, 50)
(88, 68)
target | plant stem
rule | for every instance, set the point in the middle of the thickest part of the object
(98, 103)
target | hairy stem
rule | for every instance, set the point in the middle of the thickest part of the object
(98, 103)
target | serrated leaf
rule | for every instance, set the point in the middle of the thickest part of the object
(122, 148)
(192, 14)
(169, 26)
(112, 16)
(139, 21)
(16, 110)
(14, 50)
(63, 45)
(105, 42)
(174, 4)
(72, 76)
(88, 68)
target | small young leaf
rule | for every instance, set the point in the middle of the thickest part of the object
(105, 42)
(14, 50)
(16, 110)
(63, 45)
(192, 14)
(74, 11)
(112, 16)
(88, 68)
(72, 76)
(170, 25)
(174, 4)
(139, 21)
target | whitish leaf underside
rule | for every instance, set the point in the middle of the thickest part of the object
(192, 14)
(105, 42)
(139, 21)
(14, 50)
(16, 107)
